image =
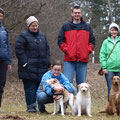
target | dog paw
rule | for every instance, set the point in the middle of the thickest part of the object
(90, 115)
(53, 113)
(115, 114)
(62, 114)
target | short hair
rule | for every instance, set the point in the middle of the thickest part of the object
(56, 62)
(75, 7)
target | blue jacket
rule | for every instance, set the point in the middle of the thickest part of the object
(5, 49)
(62, 79)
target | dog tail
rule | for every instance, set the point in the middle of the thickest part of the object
(71, 100)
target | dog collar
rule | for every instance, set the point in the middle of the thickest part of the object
(57, 96)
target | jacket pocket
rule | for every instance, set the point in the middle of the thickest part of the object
(3, 53)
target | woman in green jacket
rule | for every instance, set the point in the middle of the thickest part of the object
(111, 67)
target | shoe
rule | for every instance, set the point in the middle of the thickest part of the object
(43, 111)
(32, 110)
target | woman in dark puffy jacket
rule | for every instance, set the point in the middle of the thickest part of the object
(33, 55)
(5, 54)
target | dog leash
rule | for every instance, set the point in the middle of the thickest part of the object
(58, 96)
(111, 51)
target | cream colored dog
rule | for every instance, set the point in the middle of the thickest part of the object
(82, 103)
(62, 99)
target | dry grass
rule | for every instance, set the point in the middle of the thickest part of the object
(15, 109)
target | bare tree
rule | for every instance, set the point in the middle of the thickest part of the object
(110, 10)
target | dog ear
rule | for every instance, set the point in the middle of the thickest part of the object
(119, 78)
(79, 86)
(55, 80)
(89, 85)
(112, 77)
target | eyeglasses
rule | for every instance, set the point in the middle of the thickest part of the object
(77, 12)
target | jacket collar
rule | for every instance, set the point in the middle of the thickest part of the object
(81, 19)
(110, 39)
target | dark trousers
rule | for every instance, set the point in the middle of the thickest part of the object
(3, 73)
(30, 88)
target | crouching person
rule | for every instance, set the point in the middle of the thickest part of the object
(45, 96)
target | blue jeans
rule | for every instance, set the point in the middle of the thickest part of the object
(43, 98)
(75, 66)
(30, 88)
(108, 78)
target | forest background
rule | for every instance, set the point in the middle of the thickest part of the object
(53, 13)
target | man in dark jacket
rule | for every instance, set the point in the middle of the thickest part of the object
(76, 40)
(5, 54)
(33, 55)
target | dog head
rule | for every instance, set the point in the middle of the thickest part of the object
(84, 87)
(116, 81)
(52, 81)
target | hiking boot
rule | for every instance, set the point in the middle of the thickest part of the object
(43, 111)
(32, 110)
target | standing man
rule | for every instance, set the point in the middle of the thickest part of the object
(5, 55)
(76, 40)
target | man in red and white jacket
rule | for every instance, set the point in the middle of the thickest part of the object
(76, 40)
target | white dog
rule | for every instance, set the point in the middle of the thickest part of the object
(62, 99)
(82, 103)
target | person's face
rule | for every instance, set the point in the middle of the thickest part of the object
(34, 27)
(76, 14)
(56, 69)
(1, 17)
(113, 32)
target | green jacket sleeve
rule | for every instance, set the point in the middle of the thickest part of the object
(103, 55)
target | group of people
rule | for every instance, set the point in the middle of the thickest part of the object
(76, 40)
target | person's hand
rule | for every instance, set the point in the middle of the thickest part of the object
(9, 67)
(59, 89)
(105, 71)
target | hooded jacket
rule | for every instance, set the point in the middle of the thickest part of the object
(113, 63)
(76, 41)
